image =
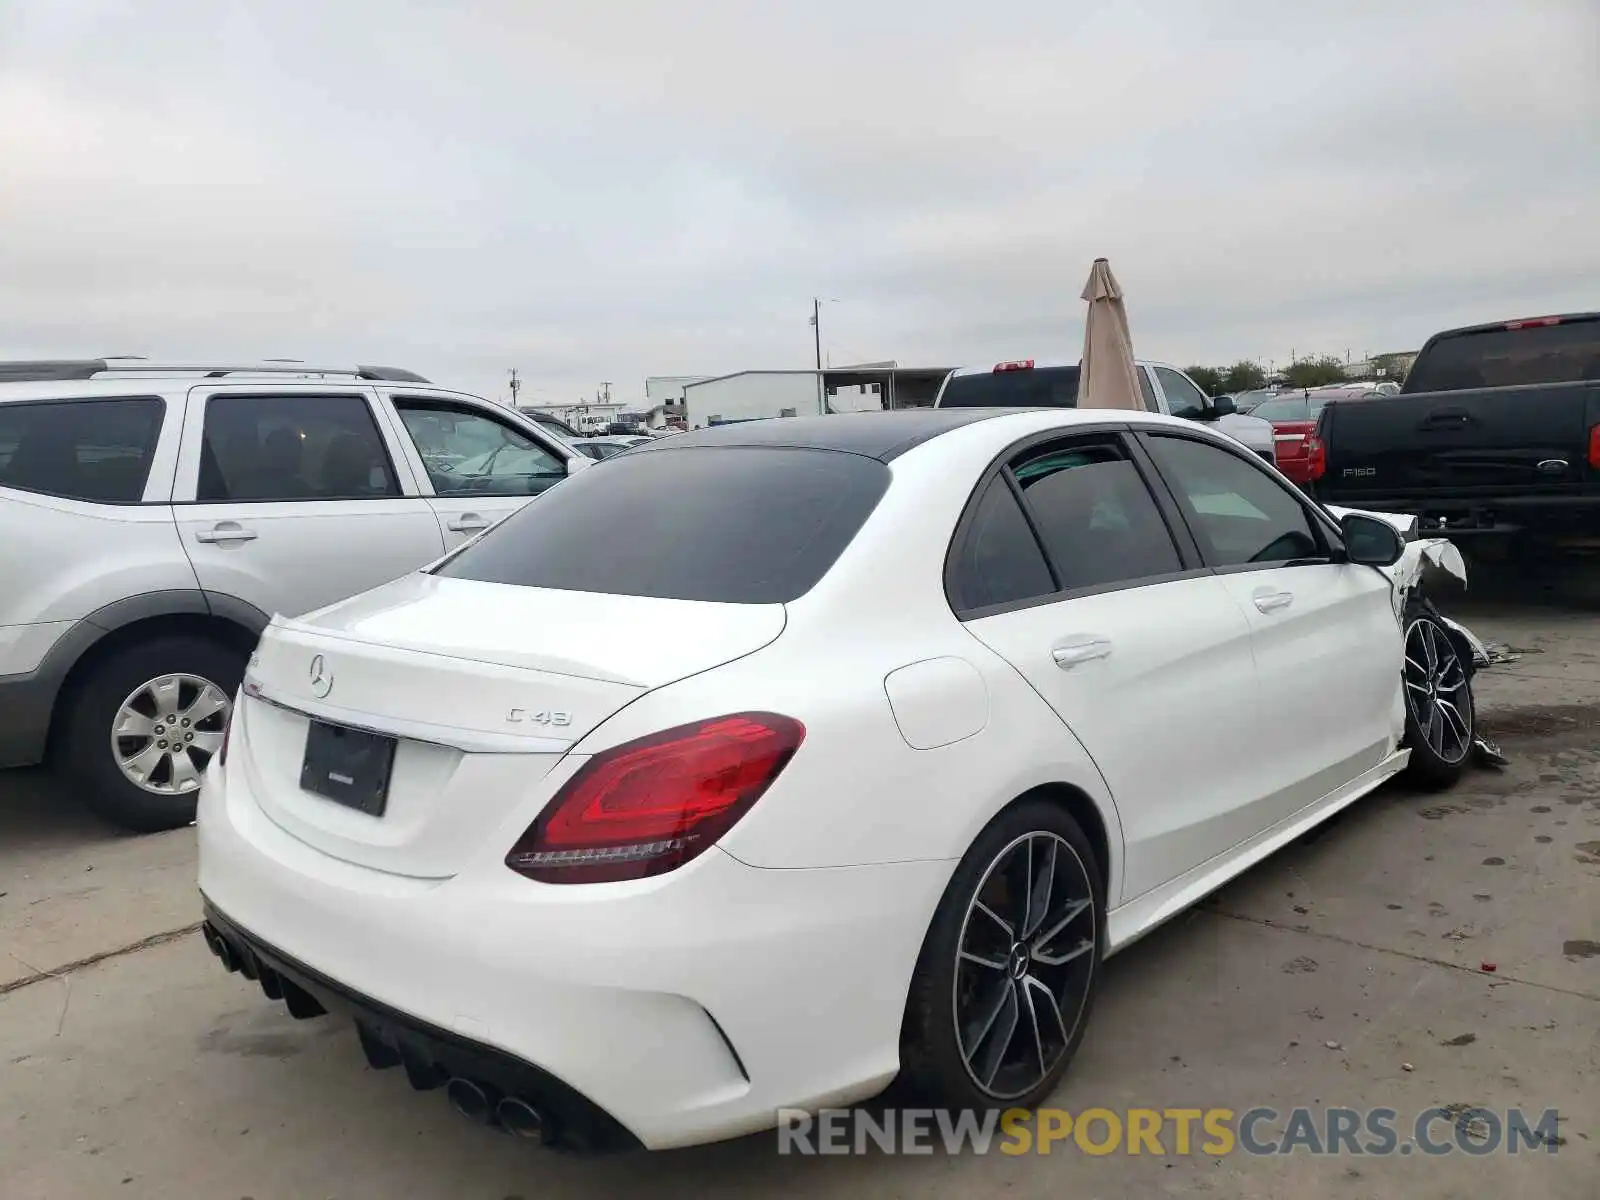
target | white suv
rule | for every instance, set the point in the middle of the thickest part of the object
(154, 518)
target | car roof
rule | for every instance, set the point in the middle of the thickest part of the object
(885, 436)
(1040, 364)
(881, 435)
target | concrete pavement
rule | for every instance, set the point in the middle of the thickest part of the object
(1314, 979)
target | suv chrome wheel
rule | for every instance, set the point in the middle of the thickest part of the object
(167, 731)
(1025, 964)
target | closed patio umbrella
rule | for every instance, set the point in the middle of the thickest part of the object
(1109, 378)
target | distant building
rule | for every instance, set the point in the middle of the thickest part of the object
(756, 395)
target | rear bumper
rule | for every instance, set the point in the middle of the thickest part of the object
(430, 1056)
(660, 1012)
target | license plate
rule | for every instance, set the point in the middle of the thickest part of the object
(348, 766)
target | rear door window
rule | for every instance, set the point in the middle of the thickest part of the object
(299, 447)
(1096, 516)
(94, 450)
(740, 525)
(997, 560)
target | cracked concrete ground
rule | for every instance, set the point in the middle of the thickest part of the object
(132, 1066)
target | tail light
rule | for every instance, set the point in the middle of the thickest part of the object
(1594, 447)
(1316, 456)
(649, 806)
(1019, 364)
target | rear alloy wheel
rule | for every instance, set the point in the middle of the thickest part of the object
(1441, 724)
(1007, 976)
(145, 726)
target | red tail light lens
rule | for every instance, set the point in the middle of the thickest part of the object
(649, 806)
(1594, 447)
(1020, 364)
(1316, 455)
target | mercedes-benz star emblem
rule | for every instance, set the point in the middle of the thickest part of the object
(321, 678)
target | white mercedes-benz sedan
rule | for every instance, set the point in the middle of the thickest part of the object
(763, 764)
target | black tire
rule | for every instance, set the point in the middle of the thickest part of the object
(1437, 762)
(933, 1063)
(87, 742)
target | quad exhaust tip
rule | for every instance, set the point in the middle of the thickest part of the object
(483, 1104)
(519, 1118)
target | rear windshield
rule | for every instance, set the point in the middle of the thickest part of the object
(1295, 408)
(1564, 353)
(1032, 387)
(739, 525)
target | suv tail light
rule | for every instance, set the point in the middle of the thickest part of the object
(1316, 456)
(649, 806)
(1594, 447)
(1019, 364)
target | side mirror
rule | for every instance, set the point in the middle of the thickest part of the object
(1223, 406)
(1371, 542)
(576, 463)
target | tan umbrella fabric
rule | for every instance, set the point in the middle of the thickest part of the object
(1108, 377)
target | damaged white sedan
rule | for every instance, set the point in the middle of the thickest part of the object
(756, 766)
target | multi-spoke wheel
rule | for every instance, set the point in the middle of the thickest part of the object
(167, 731)
(145, 724)
(1007, 975)
(1440, 721)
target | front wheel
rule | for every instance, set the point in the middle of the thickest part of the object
(1441, 721)
(145, 726)
(1007, 975)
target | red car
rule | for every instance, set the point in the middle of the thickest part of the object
(1294, 419)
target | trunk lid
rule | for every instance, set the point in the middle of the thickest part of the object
(484, 687)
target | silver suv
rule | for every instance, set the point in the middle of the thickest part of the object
(153, 519)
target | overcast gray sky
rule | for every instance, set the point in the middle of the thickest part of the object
(604, 189)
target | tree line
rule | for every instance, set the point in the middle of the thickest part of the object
(1246, 376)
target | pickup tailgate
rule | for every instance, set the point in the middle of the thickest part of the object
(1479, 443)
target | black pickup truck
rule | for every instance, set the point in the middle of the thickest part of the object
(1495, 435)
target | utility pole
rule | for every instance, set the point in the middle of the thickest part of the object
(816, 327)
(516, 387)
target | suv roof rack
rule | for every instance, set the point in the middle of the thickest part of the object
(49, 370)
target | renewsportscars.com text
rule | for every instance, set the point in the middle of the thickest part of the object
(1213, 1132)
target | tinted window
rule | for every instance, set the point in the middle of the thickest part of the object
(1239, 513)
(97, 450)
(1032, 387)
(259, 448)
(1296, 408)
(469, 454)
(1563, 353)
(1183, 398)
(735, 524)
(998, 559)
(1098, 520)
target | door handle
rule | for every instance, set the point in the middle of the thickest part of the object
(1447, 418)
(468, 523)
(1273, 601)
(225, 531)
(1073, 651)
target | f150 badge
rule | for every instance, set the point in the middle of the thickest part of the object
(523, 716)
(1358, 472)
